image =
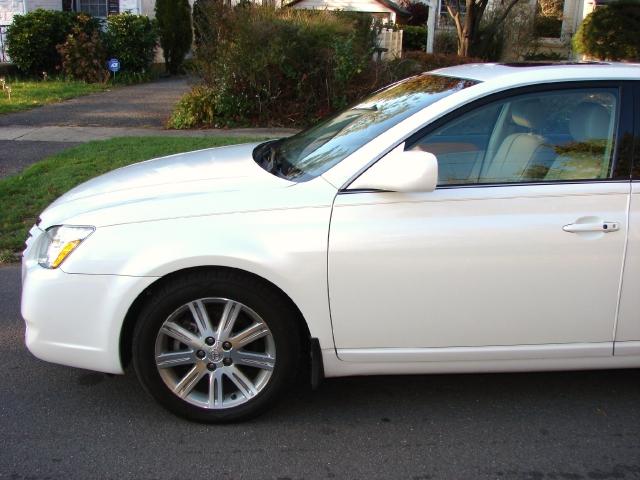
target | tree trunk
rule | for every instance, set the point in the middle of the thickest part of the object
(468, 26)
(454, 12)
(469, 29)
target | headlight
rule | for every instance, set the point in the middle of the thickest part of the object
(58, 242)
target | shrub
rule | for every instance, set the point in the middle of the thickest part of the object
(414, 38)
(610, 33)
(432, 61)
(548, 27)
(83, 54)
(380, 74)
(419, 12)
(32, 38)
(267, 67)
(132, 39)
(195, 109)
(276, 67)
(536, 56)
(174, 27)
(548, 18)
(445, 42)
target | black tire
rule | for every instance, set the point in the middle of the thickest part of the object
(260, 298)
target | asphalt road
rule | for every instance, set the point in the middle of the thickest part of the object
(16, 156)
(58, 422)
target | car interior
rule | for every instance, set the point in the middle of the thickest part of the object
(559, 136)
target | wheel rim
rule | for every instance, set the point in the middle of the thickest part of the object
(215, 353)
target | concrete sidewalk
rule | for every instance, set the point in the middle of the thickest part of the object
(87, 134)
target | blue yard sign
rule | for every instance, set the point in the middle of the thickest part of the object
(113, 65)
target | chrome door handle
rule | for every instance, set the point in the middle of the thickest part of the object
(605, 227)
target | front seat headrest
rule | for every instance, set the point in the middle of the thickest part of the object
(527, 113)
(589, 121)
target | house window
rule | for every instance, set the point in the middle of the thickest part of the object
(96, 8)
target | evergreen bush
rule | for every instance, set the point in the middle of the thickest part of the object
(611, 32)
(202, 23)
(132, 39)
(174, 28)
(419, 12)
(414, 38)
(32, 38)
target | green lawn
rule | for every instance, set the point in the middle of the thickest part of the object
(29, 94)
(25, 195)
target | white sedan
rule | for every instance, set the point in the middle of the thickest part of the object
(480, 218)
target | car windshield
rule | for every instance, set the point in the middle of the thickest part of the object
(314, 151)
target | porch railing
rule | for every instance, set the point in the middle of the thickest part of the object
(3, 44)
(389, 44)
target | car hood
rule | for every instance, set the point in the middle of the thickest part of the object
(204, 182)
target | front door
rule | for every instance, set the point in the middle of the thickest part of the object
(520, 245)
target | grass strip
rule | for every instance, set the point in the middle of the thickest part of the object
(23, 196)
(30, 94)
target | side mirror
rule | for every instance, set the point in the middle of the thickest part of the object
(400, 171)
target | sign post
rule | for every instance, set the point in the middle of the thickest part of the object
(114, 66)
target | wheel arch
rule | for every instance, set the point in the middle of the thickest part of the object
(130, 319)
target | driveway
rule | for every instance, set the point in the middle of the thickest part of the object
(65, 423)
(15, 156)
(139, 106)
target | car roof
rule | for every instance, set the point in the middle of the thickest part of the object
(534, 72)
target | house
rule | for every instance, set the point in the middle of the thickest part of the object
(389, 42)
(384, 10)
(553, 35)
(97, 8)
(552, 40)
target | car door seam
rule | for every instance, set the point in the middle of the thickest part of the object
(622, 269)
(333, 334)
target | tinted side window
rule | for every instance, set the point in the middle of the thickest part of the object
(561, 135)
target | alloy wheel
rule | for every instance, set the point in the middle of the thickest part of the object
(215, 353)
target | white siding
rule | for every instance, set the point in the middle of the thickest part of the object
(129, 6)
(9, 8)
(148, 8)
(370, 6)
(46, 4)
